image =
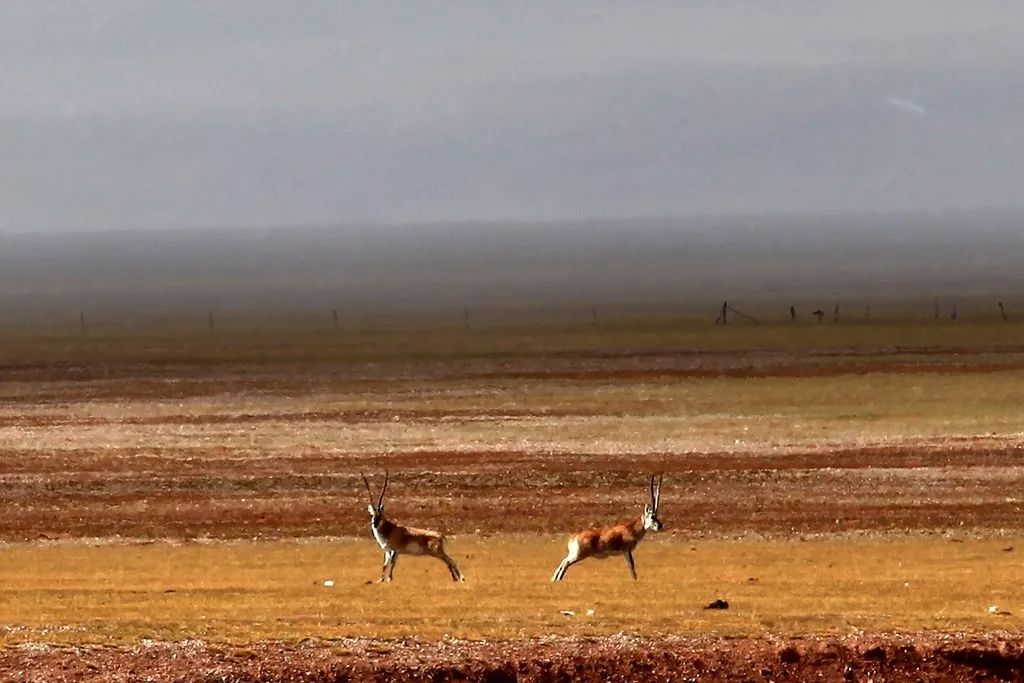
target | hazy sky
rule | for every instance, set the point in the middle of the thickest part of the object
(163, 114)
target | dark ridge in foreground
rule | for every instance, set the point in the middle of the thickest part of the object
(910, 657)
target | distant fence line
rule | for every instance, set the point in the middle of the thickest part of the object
(472, 318)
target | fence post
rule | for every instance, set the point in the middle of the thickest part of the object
(723, 316)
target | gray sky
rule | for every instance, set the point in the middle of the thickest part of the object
(166, 114)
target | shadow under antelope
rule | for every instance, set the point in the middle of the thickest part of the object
(397, 540)
(618, 539)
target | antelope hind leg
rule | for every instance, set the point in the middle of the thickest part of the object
(561, 569)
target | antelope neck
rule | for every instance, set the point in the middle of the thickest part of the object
(381, 531)
(637, 528)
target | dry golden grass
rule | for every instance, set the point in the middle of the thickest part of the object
(245, 591)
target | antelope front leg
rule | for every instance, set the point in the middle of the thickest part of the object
(453, 569)
(389, 563)
(629, 561)
(394, 561)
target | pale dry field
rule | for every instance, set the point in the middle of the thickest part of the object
(237, 592)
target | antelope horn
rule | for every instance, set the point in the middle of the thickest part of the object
(367, 484)
(384, 488)
(657, 491)
(654, 500)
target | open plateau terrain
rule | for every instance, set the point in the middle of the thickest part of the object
(173, 501)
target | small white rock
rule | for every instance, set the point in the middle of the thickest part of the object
(568, 613)
(591, 612)
(328, 583)
(994, 609)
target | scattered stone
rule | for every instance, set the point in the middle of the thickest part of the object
(789, 655)
(717, 604)
(875, 654)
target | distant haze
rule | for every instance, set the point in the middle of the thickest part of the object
(680, 265)
(174, 115)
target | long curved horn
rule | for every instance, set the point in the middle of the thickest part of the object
(380, 501)
(654, 500)
(657, 491)
(367, 484)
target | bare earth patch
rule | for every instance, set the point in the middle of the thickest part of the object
(946, 657)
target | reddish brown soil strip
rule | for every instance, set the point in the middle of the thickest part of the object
(226, 493)
(181, 379)
(214, 460)
(617, 658)
(344, 417)
(752, 372)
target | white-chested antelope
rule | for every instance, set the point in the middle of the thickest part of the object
(397, 540)
(618, 539)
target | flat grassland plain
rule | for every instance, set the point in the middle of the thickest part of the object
(173, 501)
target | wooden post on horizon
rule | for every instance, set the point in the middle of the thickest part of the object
(867, 312)
(1002, 311)
(952, 312)
(723, 316)
(209, 319)
(81, 322)
(593, 314)
(936, 308)
(335, 314)
(465, 316)
(792, 314)
(835, 314)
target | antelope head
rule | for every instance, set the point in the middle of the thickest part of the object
(651, 521)
(376, 510)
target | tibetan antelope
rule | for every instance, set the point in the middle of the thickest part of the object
(618, 539)
(398, 540)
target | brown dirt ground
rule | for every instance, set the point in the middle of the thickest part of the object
(945, 657)
(215, 492)
(210, 489)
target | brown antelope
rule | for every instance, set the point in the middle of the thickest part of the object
(617, 539)
(396, 540)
